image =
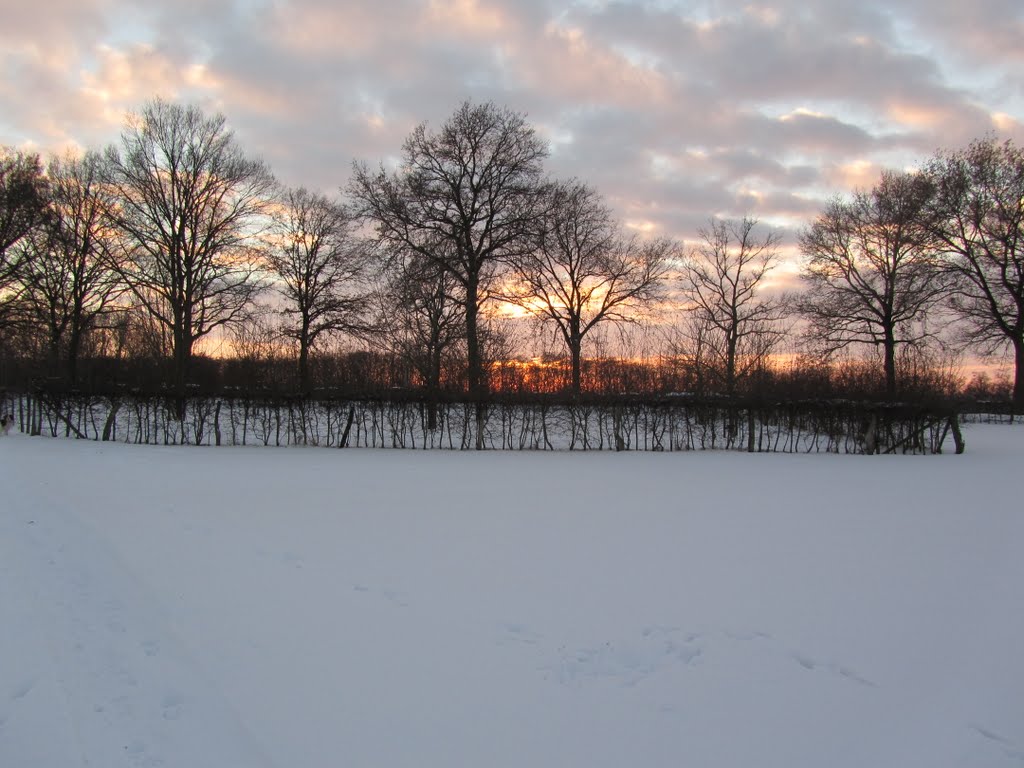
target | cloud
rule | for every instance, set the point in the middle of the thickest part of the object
(674, 111)
(987, 32)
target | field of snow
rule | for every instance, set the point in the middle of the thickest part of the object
(312, 608)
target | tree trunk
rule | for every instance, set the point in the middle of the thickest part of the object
(71, 365)
(182, 357)
(730, 364)
(304, 362)
(433, 386)
(1018, 374)
(108, 426)
(53, 355)
(890, 363)
(575, 354)
(181, 361)
(958, 437)
(474, 374)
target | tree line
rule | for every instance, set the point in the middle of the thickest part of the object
(117, 264)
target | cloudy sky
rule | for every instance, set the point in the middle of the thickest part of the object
(676, 111)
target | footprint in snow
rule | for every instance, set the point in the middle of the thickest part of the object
(1010, 749)
(396, 598)
(520, 633)
(293, 560)
(171, 706)
(804, 662)
(628, 662)
(22, 690)
(836, 669)
(139, 757)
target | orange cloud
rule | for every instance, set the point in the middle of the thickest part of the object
(1006, 124)
(350, 29)
(467, 16)
(128, 76)
(916, 116)
(860, 174)
(567, 62)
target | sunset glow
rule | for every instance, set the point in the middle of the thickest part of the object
(674, 113)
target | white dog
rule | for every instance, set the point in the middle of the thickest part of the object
(6, 422)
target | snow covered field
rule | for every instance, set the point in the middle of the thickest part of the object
(305, 608)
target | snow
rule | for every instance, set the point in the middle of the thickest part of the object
(183, 606)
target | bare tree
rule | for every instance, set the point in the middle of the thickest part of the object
(23, 207)
(582, 271)
(320, 262)
(723, 280)
(977, 215)
(872, 273)
(189, 202)
(464, 199)
(422, 314)
(68, 272)
(256, 352)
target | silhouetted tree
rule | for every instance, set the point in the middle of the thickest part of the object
(582, 271)
(872, 272)
(423, 317)
(319, 261)
(68, 276)
(256, 360)
(22, 209)
(464, 199)
(977, 215)
(189, 203)
(736, 326)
